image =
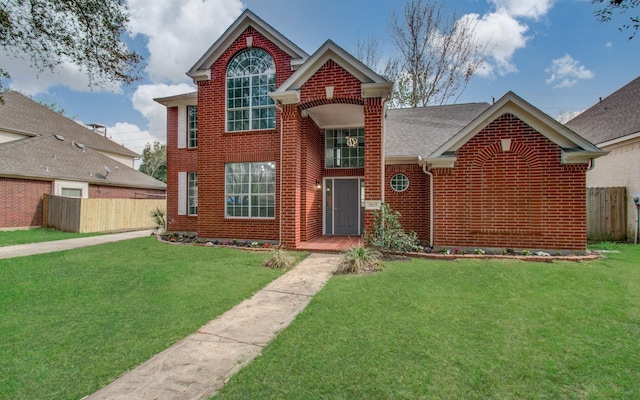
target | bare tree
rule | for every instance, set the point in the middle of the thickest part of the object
(367, 50)
(88, 33)
(438, 55)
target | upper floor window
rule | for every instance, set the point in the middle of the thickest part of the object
(251, 75)
(192, 125)
(344, 148)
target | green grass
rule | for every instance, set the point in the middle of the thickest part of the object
(73, 321)
(467, 329)
(9, 238)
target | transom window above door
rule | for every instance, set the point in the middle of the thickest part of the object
(344, 148)
(251, 75)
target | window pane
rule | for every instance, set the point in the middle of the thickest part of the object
(250, 189)
(344, 148)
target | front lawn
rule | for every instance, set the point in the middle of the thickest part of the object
(467, 329)
(22, 236)
(73, 321)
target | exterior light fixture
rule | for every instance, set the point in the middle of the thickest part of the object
(318, 185)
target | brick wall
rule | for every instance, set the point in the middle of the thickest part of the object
(21, 202)
(216, 147)
(312, 166)
(523, 198)
(413, 203)
(178, 160)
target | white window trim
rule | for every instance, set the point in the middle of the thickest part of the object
(182, 193)
(182, 127)
(226, 194)
(58, 185)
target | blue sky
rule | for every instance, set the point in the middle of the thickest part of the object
(553, 53)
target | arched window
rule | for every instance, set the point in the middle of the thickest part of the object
(251, 75)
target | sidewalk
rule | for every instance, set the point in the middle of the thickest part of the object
(199, 365)
(29, 249)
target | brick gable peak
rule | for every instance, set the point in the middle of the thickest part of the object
(201, 69)
(373, 84)
(575, 149)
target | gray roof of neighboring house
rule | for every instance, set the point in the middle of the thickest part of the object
(47, 157)
(20, 113)
(411, 132)
(615, 116)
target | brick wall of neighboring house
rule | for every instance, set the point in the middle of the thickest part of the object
(178, 160)
(523, 198)
(413, 203)
(115, 192)
(21, 202)
(217, 147)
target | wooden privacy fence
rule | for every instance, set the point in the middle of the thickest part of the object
(70, 214)
(607, 214)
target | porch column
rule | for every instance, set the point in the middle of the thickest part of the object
(290, 176)
(373, 156)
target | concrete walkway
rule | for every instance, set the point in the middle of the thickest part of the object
(29, 249)
(199, 365)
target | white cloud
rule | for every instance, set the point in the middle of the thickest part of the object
(523, 8)
(179, 32)
(566, 72)
(504, 35)
(567, 116)
(29, 80)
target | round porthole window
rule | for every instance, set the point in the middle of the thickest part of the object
(399, 182)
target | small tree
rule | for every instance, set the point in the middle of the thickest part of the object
(154, 161)
(388, 235)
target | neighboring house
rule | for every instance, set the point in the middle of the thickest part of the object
(280, 145)
(42, 152)
(613, 125)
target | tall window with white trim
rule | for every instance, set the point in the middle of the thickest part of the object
(251, 75)
(192, 193)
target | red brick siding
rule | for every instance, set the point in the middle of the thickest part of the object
(373, 155)
(345, 86)
(21, 202)
(413, 203)
(178, 160)
(312, 166)
(215, 147)
(524, 198)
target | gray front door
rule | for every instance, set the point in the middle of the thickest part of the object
(346, 207)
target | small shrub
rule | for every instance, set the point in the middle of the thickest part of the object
(388, 235)
(159, 220)
(359, 259)
(279, 260)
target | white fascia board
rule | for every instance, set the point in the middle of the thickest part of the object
(286, 97)
(441, 162)
(186, 99)
(619, 140)
(372, 90)
(580, 157)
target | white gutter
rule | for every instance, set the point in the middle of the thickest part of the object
(424, 169)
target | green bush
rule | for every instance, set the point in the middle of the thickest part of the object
(388, 235)
(159, 219)
(359, 259)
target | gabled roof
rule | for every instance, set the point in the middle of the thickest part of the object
(200, 69)
(614, 117)
(576, 149)
(374, 85)
(21, 114)
(410, 132)
(47, 157)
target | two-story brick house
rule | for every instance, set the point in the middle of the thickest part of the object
(284, 146)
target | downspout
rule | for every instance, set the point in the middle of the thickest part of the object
(424, 169)
(592, 164)
(279, 107)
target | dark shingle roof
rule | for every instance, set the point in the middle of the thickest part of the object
(47, 157)
(411, 132)
(615, 116)
(20, 113)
